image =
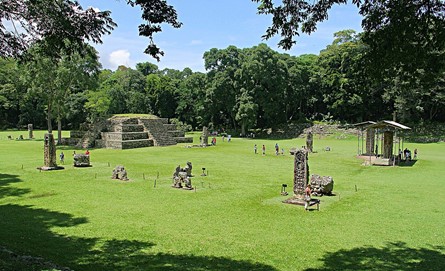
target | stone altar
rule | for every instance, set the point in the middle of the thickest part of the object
(321, 185)
(81, 160)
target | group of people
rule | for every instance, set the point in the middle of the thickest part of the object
(62, 156)
(407, 154)
(263, 149)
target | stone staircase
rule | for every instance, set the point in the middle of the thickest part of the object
(158, 130)
(124, 133)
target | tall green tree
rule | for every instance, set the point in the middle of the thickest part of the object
(223, 86)
(302, 93)
(191, 100)
(11, 91)
(246, 114)
(265, 75)
(76, 73)
(56, 79)
(125, 92)
(406, 42)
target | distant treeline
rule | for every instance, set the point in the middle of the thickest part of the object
(242, 89)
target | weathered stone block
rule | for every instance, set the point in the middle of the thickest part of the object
(321, 185)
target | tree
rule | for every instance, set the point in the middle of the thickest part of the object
(55, 80)
(265, 75)
(125, 89)
(76, 74)
(24, 23)
(56, 20)
(191, 99)
(406, 42)
(147, 68)
(302, 93)
(247, 111)
(10, 92)
(223, 84)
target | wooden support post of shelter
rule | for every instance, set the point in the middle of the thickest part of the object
(363, 133)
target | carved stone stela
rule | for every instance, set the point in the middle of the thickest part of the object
(49, 154)
(50, 151)
(205, 136)
(30, 129)
(309, 142)
(301, 173)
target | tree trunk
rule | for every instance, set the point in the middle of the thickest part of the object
(48, 115)
(243, 128)
(59, 131)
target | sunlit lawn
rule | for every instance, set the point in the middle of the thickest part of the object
(234, 220)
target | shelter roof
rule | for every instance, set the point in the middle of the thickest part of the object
(363, 124)
(389, 124)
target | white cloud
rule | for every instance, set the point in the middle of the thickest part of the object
(119, 57)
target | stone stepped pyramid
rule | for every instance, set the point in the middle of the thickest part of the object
(133, 132)
(124, 133)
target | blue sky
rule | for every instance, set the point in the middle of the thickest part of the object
(206, 24)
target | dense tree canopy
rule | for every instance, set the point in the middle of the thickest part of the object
(243, 89)
(396, 65)
(386, 23)
(24, 23)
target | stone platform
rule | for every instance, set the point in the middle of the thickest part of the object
(302, 202)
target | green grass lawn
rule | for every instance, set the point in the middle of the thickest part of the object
(234, 220)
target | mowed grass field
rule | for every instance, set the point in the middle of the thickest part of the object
(381, 218)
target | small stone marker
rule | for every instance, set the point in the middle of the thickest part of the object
(309, 142)
(30, 131)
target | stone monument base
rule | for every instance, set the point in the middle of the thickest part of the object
(302, 202)
(50, 168)
(296, 201)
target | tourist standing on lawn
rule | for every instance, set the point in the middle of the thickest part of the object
(255, 148)
(62, 158)
(307, 196)
(264, 150)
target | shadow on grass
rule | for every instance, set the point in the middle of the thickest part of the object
(394, 256)
(6, 190)
(408, 163)
(27, 230)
